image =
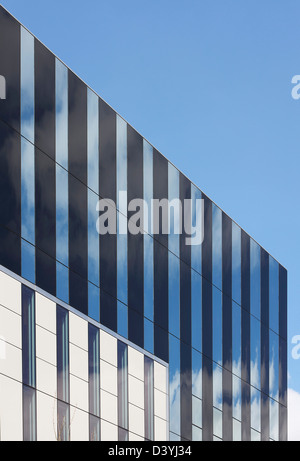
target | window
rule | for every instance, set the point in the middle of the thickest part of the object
(63, 384)
(94, 382)
(149, 399)
(123, 385)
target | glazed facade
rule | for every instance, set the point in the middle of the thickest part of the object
(214, 315)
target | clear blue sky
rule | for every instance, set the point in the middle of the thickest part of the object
(208, 83)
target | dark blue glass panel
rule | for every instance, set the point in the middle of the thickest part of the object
(283, 302)
(44, 63)
(135, 242)
(135, 328)
(10, 250)
(45, 272)
(186, 390)
(10, 178)
(78, 292)
(207, 408)
(10, 69)
(77, 131)
(174, 386)
(161, 343)
(28, 261)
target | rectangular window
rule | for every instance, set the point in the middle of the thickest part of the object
(94, 378)
(174, 249)
(62, 182)
(29, 414)
(255, 281)
(27, 156)
(62, 328)
(236, 264)
(28, 337)
(274, 295)
(123, 385)
(149, 399)
(122, 259)
(148, 249)
(217, 246)
(63, 380)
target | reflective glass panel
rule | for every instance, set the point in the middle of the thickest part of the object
(62, 336)
(217, 326)
(29, 414)
(217, 246)
(149, 399)
(274, 366)
(174, 389)
(123, 385)
(27, 85)
(28, 337)
(28, 261)
(236, 340)
(94, 370)
(196, 280)
(197, 374)
(237, 431)
(236, 398)
(93, 141)
(94, 429)
(61, 90)
(197, 412)
(255, 409)
(217, 387)
(255, 353)
(255, 278)
(174, 262)
(196, 250)
(274, 295)
(93, 240)
(236, 263)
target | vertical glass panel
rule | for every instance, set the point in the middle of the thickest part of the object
(123, 385)
(148, 336)
(174, 295)
(196, 310)
(29, 414)
(274, 295)
(148, 240)
(217, 387)
(236, 398)
(236, 340)
(274, 366)
(236, 263)
(62, 216)
(255, 278)
(218, 423)
(174, 262)
(197, 412)
(197, 434)
(94, 429)
(255, 353)
(122, 256)
(274, 420)
(217, 246)
(217, 326)
(255, 409)
(94, 302)
(94, 371)
(175, 437)
(149, 399)
(237, 431)
(62, 335)
(122, 319)
(63, 422)
(197, 374)
(28, 337)
(61, 88)
(27, 85)
(62, 282)
(28, 261)
(93, 240)
(174, 375)
(93, 141)
(196, 250)
(28, 191)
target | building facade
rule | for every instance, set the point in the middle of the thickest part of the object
(119, 336)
